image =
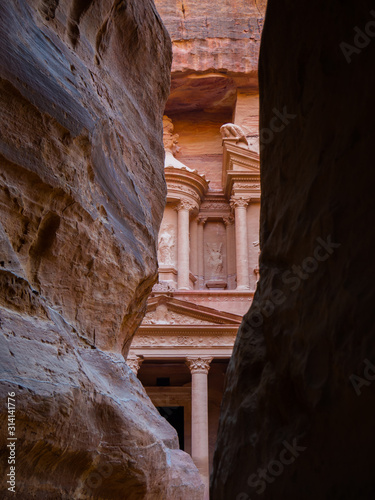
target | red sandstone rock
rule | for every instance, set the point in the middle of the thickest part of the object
(221, 36)
(300, 378)
(83, 86)
(215, 51)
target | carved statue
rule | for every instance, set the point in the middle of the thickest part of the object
(166, 246)
(215, 257)
(170, 140)
(232, 131)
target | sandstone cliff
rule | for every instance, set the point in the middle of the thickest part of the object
(215, 51)
(83, 87)
(298, 412)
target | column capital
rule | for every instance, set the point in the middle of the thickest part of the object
(228, 221)
(202, 220)
(185, 205)
(199, 364)
(134, 363)
(239, 201)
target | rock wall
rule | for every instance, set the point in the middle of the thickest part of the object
(214, 36)
(215, 52)
(297, 415)
(83, 88)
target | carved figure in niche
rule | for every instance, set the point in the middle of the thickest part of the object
(215, 258)
(166, 246)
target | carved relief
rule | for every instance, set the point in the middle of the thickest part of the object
(184, 189)
(164, 286)
(219, 207)
(170, 140)
(215, 258)
(246, 186)
(163, 316)
(167, 243)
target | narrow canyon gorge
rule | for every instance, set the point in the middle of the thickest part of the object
(154, 182)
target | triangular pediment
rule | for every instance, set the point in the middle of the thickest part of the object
(168, 311)
(240, 158)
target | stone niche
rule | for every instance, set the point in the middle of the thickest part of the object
(215, 255)
(167, 247)
(83, 87)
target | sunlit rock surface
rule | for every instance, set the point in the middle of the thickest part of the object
(83, 88)
(297, 418)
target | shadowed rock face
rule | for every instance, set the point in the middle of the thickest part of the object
(297, 415)
(83, 86)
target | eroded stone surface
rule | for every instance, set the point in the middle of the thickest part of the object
(292, 379)
(83, 87)
(215, 51)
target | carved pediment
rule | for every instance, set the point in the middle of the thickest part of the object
(172, 312)
(163, 316)
(239, 165)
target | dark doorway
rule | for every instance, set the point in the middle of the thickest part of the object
(175, 416)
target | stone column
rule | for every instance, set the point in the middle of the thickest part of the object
(231, 256)
(199, 367)
(194, 247)
(200, 243)
(242, 255)
(183, 264)
(134, 363)
(253, 212)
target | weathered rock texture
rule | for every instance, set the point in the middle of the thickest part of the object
(215, 51)
(221, 35)
(83, 87)
(290, 381)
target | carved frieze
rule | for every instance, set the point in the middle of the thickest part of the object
(183, 189)
(183, 340)
(164, 286)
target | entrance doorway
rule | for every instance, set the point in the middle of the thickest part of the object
(175, 416)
